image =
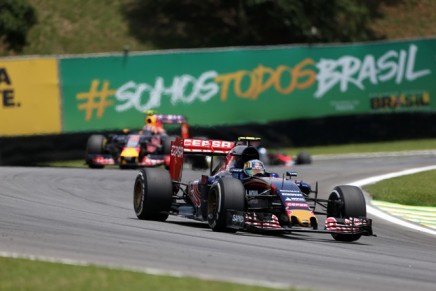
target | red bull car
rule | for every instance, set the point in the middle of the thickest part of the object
(146, 148)
(240, 194)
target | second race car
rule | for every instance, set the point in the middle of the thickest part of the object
(279, 158)
(148, 147)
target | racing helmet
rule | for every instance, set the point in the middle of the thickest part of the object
(150, 120)
(254, 167)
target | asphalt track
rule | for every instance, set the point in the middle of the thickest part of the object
(86, 216)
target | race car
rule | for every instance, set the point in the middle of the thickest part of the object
(283, 159)
(239, 194)
(145, 148)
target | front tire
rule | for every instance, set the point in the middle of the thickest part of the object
(152, 194)
(225, 194)
(95, 146)
(346, 201)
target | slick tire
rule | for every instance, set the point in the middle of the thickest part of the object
(225, 194)
(303, 159)
(152, 194)
(346, 201)
(166, 144)
(95, 146)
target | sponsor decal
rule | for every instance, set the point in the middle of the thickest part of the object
(177, 151)
(291, 194)
(252, 192)
(297, 204)
(298, 199)
(295, 199)
(208, 143)
(29, 97)
(7, 95)
(239, 219)
(400, 101)
(290, 191)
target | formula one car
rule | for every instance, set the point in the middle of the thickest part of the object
(239, 194)
(271, 158)
(148, 147)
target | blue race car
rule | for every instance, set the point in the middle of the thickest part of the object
(240, 194)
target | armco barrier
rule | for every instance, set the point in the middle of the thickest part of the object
(301, 133)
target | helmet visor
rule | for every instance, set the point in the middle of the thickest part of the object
(254, 171)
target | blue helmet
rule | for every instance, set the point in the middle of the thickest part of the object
(254, 167)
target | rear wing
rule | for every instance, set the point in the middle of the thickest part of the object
(171, 119)
(195, 146)
(207, 146)
(174, 119)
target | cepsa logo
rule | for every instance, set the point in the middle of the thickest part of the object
(6, 91)
(198, 143)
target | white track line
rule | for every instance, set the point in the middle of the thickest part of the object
(385, 216)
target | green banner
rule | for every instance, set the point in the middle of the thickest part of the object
(243, 85)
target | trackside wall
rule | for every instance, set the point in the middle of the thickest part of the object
(299, 95)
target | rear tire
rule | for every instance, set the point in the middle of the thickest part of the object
(225, 194)
(303, 159)
(351, 204)
(95, 146)
(166, 144)
(152, 194)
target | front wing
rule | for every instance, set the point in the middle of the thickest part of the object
(104, 160)
(251, 221)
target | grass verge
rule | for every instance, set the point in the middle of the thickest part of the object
(23, 274)
(416, 189)
(393, 146)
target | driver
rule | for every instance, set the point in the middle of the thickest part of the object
(254, 168)
(152, 123)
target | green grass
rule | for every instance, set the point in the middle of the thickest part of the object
(98, 26)
(80, 26)
(407, 145)
(418, 15)
(416, 189)
(22, 274)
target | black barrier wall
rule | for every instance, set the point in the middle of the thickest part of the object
(34, 150)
